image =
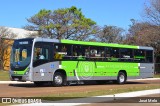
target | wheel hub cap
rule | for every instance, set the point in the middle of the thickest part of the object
(121, 78)
(58, 79)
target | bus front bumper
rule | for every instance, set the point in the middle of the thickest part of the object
(16, 77)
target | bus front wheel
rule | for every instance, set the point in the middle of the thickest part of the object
(58, 79)
(121, 79)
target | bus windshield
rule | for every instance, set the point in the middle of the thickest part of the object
(21, 54)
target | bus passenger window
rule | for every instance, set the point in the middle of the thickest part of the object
(62, 51)
(41, 53)
(97, 53)
(149, 56)
(139, 56)
(126, 55)
(80, 52)
(112, 54)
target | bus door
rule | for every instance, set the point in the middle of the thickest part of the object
(41, 62)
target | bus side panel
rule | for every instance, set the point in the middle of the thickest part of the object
(89, 70)
(114, 67)
(45, 72)
(79, 70)
(69, 67)
(111, 69)
(146, 70)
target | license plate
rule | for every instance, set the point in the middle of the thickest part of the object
(16, 79)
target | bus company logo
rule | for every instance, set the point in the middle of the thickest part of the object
(86, 70)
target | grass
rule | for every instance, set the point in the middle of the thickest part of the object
(4, 75)
(63, 96)
(157, 75)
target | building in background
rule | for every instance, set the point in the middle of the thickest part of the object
(20, 33)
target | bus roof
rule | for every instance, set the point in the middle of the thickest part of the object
(91, 43)
(106, 44)
(99, 44)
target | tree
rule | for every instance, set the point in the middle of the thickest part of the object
(111, 34)
(65, 23)
(152, 16)
(145, 34)
(152, 12)
(5, 44)
(133, 37)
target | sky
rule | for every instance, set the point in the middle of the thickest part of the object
(13, 13)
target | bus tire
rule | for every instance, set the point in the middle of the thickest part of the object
(121, 79)
(58, 79)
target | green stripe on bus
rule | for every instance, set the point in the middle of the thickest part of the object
(99, 44)
(21, 72)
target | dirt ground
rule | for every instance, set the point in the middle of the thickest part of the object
(30, 90)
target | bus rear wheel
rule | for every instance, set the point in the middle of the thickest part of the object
(58, 79)
(121, 79)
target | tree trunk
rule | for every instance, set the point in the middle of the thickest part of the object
(1, 65)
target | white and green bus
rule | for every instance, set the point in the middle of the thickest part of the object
(42, 60)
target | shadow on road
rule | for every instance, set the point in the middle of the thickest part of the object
(86, 83)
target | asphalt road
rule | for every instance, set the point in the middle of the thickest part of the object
(30, 90)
